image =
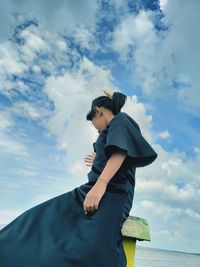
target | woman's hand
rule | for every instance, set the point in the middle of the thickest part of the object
(89, 159)
(94, 196)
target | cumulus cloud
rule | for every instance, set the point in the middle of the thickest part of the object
(138, 111)
(135, 36)
(167, 193)
(65, 16)
(160, 57)
(181, 224)
(7, 143)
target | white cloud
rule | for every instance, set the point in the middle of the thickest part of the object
(62, 17)
(138, 112)
(13, 147)
(163, 4)
(164, 134)
(17, 60)
(29, 110)
(167, 194)
(136, 35)
(170, 227)
(62, 45)
(7, 144)
(160, 58)
(183, 42)
(10, 62)
(32, 40)
(6, 121)
(33, 44)
(85, 38)
(189, 97)
(72, 100)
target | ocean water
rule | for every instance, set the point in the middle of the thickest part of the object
(151, 257)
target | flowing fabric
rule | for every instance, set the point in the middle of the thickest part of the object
(57, 232)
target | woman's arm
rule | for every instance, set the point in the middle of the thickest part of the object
(95, 194)
(112, 166)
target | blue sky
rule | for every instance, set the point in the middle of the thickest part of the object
(55, 59)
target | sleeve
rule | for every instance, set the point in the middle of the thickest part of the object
(125, 135)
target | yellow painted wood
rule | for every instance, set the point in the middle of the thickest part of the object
(129, 248)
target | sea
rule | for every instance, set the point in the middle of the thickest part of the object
(152, 257)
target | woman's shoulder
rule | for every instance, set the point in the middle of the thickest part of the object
(120, 121)
(125, 120)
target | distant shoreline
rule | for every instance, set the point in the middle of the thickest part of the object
(168, 250)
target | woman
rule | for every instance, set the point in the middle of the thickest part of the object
(82, 227)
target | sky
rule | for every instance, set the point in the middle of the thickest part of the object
(56, 57)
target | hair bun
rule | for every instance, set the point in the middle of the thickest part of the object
(108, 93)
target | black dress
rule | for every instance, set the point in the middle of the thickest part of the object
(57, 232)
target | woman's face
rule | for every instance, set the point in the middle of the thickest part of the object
(98, 120)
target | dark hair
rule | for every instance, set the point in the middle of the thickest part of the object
(115, 104)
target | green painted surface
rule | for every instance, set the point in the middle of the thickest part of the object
(136, 228)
